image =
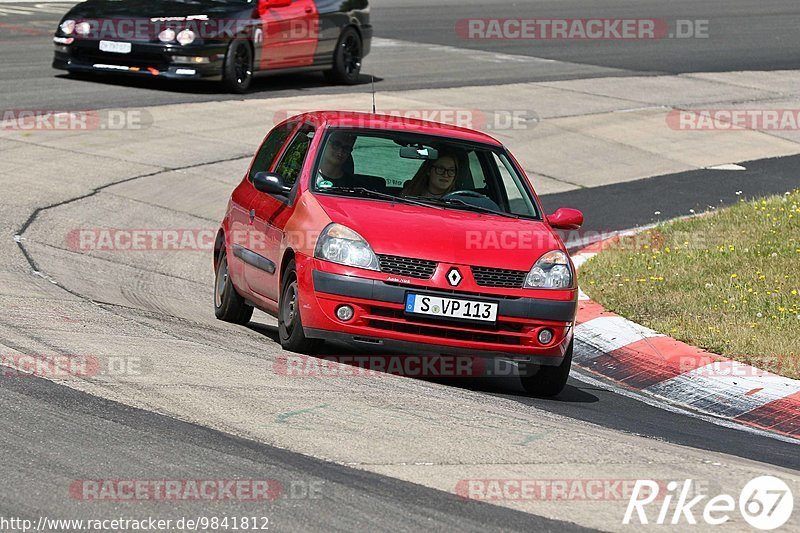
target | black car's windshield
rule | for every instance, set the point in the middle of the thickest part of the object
(435, 171)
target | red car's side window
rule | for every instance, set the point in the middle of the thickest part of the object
(291, 164)
(270, 148)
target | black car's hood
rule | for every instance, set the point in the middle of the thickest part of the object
(152, 9)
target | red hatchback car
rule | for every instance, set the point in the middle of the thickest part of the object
(388, 233)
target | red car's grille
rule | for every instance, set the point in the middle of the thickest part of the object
(405, 266)
(498, 277)
(395, 320)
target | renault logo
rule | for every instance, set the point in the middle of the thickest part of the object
(454, 277)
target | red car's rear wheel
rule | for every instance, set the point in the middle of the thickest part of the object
(228, 304)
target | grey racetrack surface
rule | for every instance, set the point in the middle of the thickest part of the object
(743, 35)
(51, 435)
(68, 436)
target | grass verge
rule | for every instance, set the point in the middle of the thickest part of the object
(728, 282)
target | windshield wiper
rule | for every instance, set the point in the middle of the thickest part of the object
(461, 204)
(363, 191)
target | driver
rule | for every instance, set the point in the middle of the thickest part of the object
(333, 171)
(434, 179)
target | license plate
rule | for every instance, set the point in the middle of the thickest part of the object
(115, 47)
(455, 308)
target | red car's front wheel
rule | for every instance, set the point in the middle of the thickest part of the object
(546, 381)
(290, 324)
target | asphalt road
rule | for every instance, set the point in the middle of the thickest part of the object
(626, 205)
(68, 436)
(418, 47)
(742, 34)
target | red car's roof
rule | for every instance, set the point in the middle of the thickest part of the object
(352, 119)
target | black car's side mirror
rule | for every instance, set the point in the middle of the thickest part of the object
(270, 183)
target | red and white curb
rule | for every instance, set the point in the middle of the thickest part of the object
(641, 359)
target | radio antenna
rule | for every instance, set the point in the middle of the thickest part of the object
(373, 95)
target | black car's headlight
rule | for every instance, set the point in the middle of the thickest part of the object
(83, 28)
(67, 27)
(340, 244)
(186, 37)
(167, 36)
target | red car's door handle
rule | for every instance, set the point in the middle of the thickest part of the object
(252, 215)
(309, 9)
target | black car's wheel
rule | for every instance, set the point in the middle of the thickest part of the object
(347, 58)
(238, 69)
(228, 304)
(290, 325)
(546, 381)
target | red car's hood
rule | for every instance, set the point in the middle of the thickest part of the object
(443, 235)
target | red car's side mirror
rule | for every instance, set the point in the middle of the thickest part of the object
(566, 218)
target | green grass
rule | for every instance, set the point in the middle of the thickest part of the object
(728, 282)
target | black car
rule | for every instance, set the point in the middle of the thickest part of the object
(227, 40)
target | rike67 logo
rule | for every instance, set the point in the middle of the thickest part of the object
(765, 503)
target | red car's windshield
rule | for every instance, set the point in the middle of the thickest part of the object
(424, 168)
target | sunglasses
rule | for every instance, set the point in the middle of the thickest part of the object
(444, 171)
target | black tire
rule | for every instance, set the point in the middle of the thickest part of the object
(546, 381)
(228, 304)
(237, 72)
(347, 58)
(290, 323)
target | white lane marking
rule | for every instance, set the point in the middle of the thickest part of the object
(645, 108)
(722, 388)
(729, 166)
(31, 8)
(5, 11)
(660, 403)
(609, 333)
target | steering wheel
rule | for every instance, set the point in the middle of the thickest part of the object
(478, 199)
(471, 194)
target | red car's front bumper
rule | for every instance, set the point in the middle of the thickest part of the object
(380, 321)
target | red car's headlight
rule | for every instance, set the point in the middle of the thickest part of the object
(340, 244)
(551, 271)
